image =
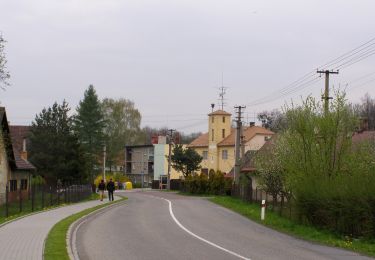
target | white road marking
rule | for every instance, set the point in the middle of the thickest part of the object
(198, 237)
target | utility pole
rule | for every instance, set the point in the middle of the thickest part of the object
(237, 167)
(326, 96)
(170, 134)
(104, 158)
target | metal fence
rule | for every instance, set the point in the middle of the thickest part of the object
(39, 197)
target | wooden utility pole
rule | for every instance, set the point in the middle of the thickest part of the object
(170, 134)
(326, 96)
(237, 167)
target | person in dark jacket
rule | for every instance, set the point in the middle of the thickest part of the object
(101, 188)
(110, 189)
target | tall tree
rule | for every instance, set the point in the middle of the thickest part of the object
(4, 73)
(273, 120)
(187, 161)
(89, 125)
(122, 128)
(54, 148)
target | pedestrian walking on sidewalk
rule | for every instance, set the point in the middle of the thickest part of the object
(110, 189)
(101, 188)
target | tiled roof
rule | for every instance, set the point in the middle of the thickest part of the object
(200, 141)
(248, 133)
(363, 136)
(18, 133)
(22, 164)
(220, 113)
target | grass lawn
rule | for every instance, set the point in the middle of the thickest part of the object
(14, 208)
(275, 221)
(56, 247)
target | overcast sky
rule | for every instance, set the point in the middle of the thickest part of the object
(168, 56)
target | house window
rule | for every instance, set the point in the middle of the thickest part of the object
(12, 185)
(205, 155)
(213, 119)
(204, 171)
(223, 119)
(213, 135)
(24, 184)
(224, 154)
(223, 133)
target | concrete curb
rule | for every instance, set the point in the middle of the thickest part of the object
(73, 228)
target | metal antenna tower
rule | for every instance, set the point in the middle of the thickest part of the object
(222, 93)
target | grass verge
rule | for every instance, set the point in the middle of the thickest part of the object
(275, 221)
(55, 246)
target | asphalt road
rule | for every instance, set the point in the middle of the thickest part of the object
(146, 227)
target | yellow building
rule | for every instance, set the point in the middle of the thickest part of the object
(217, 147)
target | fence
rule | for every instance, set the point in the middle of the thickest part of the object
(257, 195)
(38, 197)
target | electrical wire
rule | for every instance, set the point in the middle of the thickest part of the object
(345, 60)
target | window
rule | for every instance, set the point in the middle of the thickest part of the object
(205, 155)
(12, 185)
(204, 171)
(223, 119)
(213, 119)
(24, 184)
(224, 155)
(213, 135)
(223, 132)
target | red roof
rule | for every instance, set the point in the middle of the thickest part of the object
(18, 134)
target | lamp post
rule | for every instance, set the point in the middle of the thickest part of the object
(104, 158)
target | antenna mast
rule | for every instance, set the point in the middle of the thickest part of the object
(222, 93)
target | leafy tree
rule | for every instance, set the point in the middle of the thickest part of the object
(185, 160)
(89, 126)
(4, 73)
(271, 174)
(122, 128)
(54, 148)
(273, 120)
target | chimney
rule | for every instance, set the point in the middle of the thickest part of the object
(24, 150)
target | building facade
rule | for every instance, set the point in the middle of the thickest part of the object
(139, 164)
(217, 146)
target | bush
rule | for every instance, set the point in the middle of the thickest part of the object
(215, 184)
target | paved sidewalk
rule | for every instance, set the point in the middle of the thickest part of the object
(24, 238)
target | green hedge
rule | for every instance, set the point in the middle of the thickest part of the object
(345, 204)
(215, 184)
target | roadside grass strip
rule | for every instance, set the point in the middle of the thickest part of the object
(56, 247)
(309, 233)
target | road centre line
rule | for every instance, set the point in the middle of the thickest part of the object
(196, 236)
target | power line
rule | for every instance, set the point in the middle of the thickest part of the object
(355, 55)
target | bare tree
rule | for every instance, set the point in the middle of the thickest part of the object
(4, 73)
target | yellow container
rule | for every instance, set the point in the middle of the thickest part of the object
(128, 185)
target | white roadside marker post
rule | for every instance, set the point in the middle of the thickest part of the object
(263, 210)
